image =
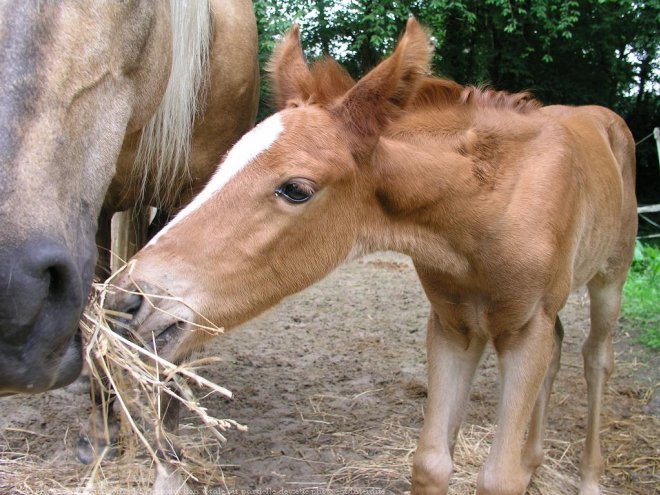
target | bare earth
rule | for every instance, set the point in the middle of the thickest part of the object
(331, 384)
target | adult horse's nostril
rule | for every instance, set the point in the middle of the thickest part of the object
(60, 280)
(39, 282)
(41, 299)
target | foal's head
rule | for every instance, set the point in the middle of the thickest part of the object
(293, 199)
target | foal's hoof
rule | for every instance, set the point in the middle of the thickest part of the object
(169, 481)
(589, 488)
(88, 452)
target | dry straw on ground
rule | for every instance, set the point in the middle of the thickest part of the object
(386, 451)
(388, 455)
(391, 455)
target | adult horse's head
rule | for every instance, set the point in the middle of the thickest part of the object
(290, 202)
(75, 77)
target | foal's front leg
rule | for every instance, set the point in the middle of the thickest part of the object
(533, 451)
(169, 479)
(524, 357)
(452, 360)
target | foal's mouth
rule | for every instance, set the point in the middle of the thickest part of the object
(166, 337)
(162, 342)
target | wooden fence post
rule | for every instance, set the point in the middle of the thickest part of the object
(656, 135)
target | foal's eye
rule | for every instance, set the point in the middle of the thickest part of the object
(296, 190)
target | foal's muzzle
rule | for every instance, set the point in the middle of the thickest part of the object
(154, 318)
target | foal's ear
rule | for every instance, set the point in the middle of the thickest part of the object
(291, 78)
(378, 97)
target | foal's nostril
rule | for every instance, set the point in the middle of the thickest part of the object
(129, 305)
(132, 304)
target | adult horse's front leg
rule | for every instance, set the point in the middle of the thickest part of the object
(99, 437)
(104, 244)
(129, 234)
(524, 357)
(452, 360)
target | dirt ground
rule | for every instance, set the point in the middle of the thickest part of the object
(331, 384)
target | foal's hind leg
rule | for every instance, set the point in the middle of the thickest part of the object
(533, 450)
(598, 357)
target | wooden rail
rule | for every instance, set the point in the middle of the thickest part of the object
(649, 209)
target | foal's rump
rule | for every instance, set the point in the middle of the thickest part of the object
(602, 151)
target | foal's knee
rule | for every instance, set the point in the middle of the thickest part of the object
(598, 359)
(431, 472)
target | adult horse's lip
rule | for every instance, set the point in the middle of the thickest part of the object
(71, 363)
(64, 363)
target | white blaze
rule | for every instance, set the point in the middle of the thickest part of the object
(244, 151)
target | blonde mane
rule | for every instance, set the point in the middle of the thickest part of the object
(164, 150)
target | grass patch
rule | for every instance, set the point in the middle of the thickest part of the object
(641, 294)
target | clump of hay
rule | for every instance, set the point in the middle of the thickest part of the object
(140, 379)
(25, 473)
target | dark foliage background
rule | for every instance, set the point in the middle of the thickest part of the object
(604, 52)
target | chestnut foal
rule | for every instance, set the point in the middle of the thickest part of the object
(503, 205)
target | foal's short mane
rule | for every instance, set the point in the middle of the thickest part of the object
(435, 92)
(328, 80)
(164, 150)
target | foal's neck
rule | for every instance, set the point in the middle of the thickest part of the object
(444, 179)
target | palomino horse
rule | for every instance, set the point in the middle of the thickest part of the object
(503, 205)
(102, 104)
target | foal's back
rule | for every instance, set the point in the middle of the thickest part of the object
(601, 148)
(540, 199)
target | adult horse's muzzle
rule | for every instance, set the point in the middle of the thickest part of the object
(41, 299)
